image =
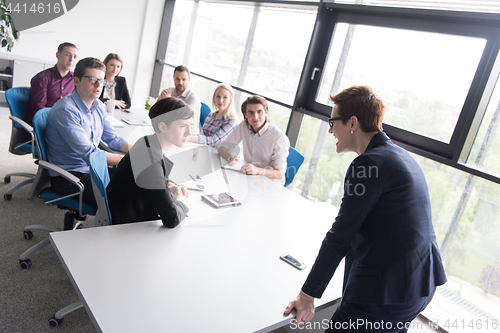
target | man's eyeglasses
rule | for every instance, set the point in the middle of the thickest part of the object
(94, 80)
(331, 121)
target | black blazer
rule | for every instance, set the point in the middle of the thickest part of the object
(121, 92)
(138, 190)
(383, 229)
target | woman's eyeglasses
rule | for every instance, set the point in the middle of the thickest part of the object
(331, 121)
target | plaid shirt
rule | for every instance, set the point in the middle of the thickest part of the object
(215, 130)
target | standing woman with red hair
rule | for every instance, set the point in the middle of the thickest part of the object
(383, 228)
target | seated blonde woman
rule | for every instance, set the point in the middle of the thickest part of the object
(220, 123)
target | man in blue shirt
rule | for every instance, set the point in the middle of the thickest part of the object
(76, 124)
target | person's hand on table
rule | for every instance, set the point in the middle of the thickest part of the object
(120, 104)
(165, 93)
(304, 304)
(251, 169)
(185, 192)
(179, 192)
(232, 161)
(171, 186)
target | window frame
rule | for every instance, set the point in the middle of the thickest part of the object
(482, 25)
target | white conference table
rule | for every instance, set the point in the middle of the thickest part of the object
(218, 271)
(131, 132)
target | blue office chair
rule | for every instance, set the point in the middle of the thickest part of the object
(100, 180)
(293, 163)
(204, 112)
(41, 187)
(21, 138)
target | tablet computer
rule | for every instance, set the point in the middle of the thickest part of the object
(221, 199)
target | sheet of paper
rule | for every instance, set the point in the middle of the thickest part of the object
(115, 122)
(136, 122)
(192, 185)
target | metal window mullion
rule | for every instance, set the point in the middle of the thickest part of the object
(189, 38)
(161, 50)
(246, 54)
(465, 148)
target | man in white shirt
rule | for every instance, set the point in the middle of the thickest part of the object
(265, 146)
(182, 77)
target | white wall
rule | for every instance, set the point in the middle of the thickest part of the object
(98, 27)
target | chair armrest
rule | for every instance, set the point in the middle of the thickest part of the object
(22, 123)
(68, 176)
(61, 172)
(104, 146)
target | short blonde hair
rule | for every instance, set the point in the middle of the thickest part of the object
(229, 112)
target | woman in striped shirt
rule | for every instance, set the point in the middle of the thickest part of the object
(220, 123)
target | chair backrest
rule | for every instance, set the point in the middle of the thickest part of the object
(18, 99)
(39, 125)
(41, 185)
(293, 163)
(42, 180)
(21, 137)
(100, 180)
(204, 112)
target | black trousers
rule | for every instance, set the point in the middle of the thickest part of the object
(357, 317)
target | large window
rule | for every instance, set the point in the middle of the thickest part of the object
(423, 77)
(212, 41)
(257, 47)
(278, 52)
(465, 212)
(430, 67)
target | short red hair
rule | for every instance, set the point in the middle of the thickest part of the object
(360, 101)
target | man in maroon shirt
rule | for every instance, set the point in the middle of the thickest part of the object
(48, 86)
